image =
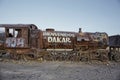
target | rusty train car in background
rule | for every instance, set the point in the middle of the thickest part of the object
(26, 41)
(114, 47)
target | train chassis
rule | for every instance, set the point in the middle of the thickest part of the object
(43, 55)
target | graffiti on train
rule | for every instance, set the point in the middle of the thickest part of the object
(15, 42)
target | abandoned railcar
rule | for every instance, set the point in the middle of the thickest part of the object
(26, 40)
(19, 38)
(114, 47)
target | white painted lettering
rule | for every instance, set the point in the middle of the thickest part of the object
(63, 34)
(59, 39)
(54, 39)
(49, 39)
(63, 40)
(68, 40)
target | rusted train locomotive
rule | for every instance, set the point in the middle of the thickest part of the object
(28, 42)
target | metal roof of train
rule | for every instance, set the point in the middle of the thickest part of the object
(17, 25)
(114, 41)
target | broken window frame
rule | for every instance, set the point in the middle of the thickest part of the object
(18, 33)
(13, 32)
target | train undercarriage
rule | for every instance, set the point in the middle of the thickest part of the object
(44, 55)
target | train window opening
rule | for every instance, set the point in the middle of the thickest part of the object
(9, 32)
(82, 39)
(2, 30)
(18, 33)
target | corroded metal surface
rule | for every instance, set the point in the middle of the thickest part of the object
(59, 45)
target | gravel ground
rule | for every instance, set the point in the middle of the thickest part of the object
(59, 71)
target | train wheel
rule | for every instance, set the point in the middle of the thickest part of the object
(103, 58)
(14, 56)
(48, 57)
(117, 57)
(84, 59)
(84, 56)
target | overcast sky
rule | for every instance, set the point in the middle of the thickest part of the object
(64, 15)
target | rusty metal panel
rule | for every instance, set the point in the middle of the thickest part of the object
(25, 36)
(34, 38)
(114, 41)
(83, 37)
(2, 39)
(18, 38)
(58, 39)
(18, 25)
(34, 33)
(99, 36)
(92, 40)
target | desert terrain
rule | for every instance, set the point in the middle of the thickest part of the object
(56, 70)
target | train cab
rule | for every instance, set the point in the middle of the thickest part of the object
(20, 35)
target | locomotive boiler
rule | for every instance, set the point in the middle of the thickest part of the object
(26, 41)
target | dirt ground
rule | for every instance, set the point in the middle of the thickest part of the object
(31, 70)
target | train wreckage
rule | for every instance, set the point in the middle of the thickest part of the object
(26, 41)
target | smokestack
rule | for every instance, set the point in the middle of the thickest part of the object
(80, 30)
